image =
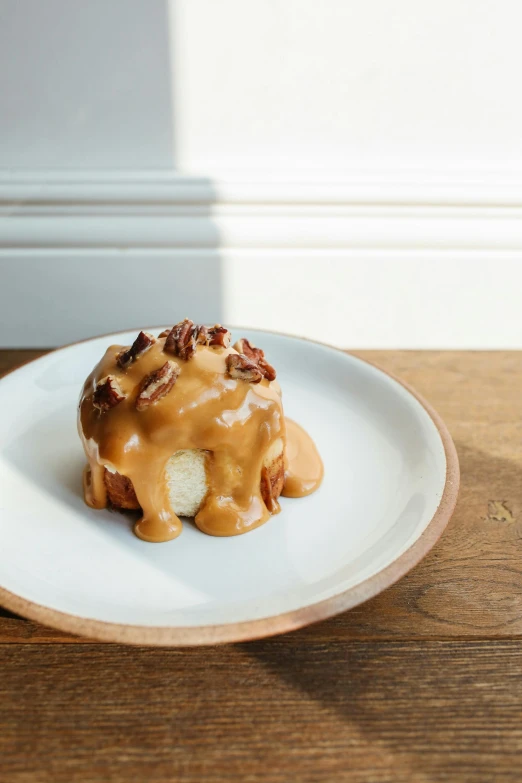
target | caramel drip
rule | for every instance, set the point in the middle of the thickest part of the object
(304, 470)
(237, 423)
(94, 489)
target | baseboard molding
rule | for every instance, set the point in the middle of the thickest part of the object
(363, 298)
(482, 185)
(402, 210)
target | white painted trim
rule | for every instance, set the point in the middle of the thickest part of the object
(480, 231)
(360, 298)
(483, 186)
(425, 210)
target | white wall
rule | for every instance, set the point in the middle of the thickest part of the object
(85, 84)
(291, 84)
(345, 170)
(344, 84)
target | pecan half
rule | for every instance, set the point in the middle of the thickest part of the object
(107, 394)
(219, 335)
(256, 355)
(182, 339)
(240, 366)
(201, 333)
(156, 385)
(141, 344)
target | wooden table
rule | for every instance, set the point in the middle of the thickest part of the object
(422, 683)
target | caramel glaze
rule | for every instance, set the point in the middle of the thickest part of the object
(304, 466)
(235, 421)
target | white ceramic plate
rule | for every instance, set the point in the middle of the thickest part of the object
(391, 481)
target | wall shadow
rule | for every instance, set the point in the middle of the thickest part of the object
(85, 85)
(128, 242)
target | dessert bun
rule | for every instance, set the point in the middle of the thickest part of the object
(184, 424)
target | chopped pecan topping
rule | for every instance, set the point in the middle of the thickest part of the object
(164, 333)
(107, 394)
(201, 335)
(219, 335)
(141, 344)
(256, 355)
(156, 385)
(182, 339)
(240, 366)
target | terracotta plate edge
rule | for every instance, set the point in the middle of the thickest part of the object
(248, 630)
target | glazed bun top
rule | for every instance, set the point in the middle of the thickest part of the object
(185, 389)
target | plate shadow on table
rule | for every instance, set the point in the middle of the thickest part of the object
(386, 687)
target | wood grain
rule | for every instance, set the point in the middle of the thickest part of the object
(265, 712)
(13, 357)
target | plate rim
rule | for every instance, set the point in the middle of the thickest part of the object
(249, 630)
